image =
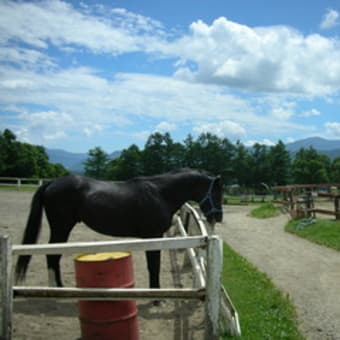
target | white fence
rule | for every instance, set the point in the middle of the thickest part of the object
(20, 182)
(204, 252)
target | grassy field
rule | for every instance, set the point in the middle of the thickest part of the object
(265, 313)
(325, 232)
(265, 210)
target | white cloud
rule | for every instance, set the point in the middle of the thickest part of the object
(333, 129)
(262, 59)
(265, 141)
(25, 57)
(310, 113)
(94, 104)
(39, 24)
(91, 100)
(270, 59)
(165, 127)
(282, 113)
(330, 19)
(227, 128)
(47, 125)
(93, 129)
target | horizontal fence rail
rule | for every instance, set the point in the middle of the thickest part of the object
(109, 293)
(21, 182)
(125, 245)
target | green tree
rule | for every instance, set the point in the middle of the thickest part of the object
(128, 165)
(214, 155)
(8, 152)
(310, 167)
(241, 165)
(192, 153)
(57, 170)
(25, 160)
(279, 164)
(335, 170)
(161, 154)
(96, 164)
(259, 166)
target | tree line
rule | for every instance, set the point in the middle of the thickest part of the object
(19, 159)
(254, 167)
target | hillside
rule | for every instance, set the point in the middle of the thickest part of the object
(72, 161)
(317, 143)
(328, 147)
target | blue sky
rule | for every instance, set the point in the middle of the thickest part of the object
(75, 75)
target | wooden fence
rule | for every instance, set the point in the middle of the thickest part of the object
(304, 200)
(204, 252)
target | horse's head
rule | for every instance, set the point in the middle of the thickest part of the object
(211, 204)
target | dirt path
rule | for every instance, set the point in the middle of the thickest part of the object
(309, 273)
(58, 319)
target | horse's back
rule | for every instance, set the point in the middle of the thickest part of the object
(64, 196)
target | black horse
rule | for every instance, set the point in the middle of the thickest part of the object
(142, 207)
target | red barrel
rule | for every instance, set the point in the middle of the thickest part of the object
(106, 320)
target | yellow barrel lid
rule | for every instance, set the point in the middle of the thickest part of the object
(101, 256)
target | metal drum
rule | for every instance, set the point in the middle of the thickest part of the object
(106, 320)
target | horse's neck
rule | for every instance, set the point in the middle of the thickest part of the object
(181, 189)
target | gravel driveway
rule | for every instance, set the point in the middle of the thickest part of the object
(309, 273)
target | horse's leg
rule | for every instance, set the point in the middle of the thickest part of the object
(153, 258)
(58, 235)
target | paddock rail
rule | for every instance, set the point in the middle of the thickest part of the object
(204, 251)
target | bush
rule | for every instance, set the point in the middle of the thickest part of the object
(266, 210)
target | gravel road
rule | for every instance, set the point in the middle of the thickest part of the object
(309, 273)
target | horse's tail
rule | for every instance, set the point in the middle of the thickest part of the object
(31, 232)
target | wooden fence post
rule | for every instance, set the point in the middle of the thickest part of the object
(213, 288)
(337, 207)
(6, 287)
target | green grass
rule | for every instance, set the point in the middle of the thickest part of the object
(324, 232)
(265, 210)
(265, 313)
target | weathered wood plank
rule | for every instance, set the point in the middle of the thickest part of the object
(6, 287)
(120, 245)
(108, 293)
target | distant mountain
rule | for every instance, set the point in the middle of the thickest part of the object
(74, 162)
(327, 146)
(316, 142)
